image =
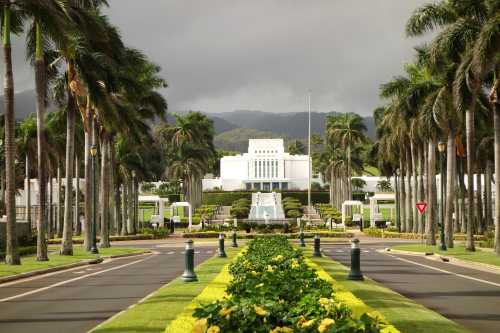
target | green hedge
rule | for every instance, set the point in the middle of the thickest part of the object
(227, 198)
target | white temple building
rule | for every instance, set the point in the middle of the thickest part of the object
(265, 167)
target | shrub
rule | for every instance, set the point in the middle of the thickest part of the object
(227, 198)
(274, 290)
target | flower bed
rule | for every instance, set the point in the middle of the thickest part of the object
(374, 232)
(215, 234)
(274, 290)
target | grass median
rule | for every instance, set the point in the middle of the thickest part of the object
(459, 252)
(162, 307)
(406, 315)
(29, 263)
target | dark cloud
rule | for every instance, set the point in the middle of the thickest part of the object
(223, 55)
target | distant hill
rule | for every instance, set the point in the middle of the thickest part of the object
(237, 139)
(24, 104)
(293, 125)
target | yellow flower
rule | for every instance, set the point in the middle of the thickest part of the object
(308, 323)
(279, 257)
(254, 273)
(325, 324)
(213, 329)
(225, 312)
(270, 268)
(200, 326)
(259, 285)
(260, 311)
(295, 264)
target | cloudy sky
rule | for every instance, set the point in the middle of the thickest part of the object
(223, 55)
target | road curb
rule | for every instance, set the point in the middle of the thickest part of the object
(86, 262)
(452, 260)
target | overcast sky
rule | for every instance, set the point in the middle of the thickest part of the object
(223, 55)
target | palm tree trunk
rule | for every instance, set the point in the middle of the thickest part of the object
(59, 219)
(112, 202)
(496, 123)
(124, 209)
(130, 206)
(450, 186)
(67, 241)
(479, 202)
(104, 206)
(28, 193)
(332, 192)
(469, 129)
(88, 179)
(50, 222)
(41, 244)
(420, 181)
(415, 187)
(402, 195)
(409, 199)
(432, 193)
(118, 209)
(488, 218)
(11, 251)
(78, 225)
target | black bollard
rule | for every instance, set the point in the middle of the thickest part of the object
(317, 246)
(189, 275)
(355, 273)
(301, 236)
(222, 252)
(235, 244)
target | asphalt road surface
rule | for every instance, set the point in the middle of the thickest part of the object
(79, 299)
(467, 296)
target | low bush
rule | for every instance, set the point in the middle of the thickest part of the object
(157, 233)
(227, 198)
(274, 290)
(23, 251)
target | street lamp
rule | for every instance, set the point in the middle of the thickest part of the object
(442, 149)
(93, 247)
(398, 217)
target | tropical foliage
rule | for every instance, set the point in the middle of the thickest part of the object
(274, 290)
(447, 95)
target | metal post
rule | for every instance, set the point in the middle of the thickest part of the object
(441, 234)
(317, 246)
(398, 211)
(235, 244)
(93, 248)
(301, 236)
(222, 252)
(355, 273)
(189, 275)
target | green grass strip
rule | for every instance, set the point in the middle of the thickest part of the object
(342, 294)
(459, 252)
(29, 263)
(163, 306)
(406, 315)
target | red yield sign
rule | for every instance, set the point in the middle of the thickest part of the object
(421, 206)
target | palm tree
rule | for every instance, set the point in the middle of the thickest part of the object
(349, 130)
(9, 25)
(460, 24)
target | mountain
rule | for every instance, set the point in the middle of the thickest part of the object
(24, 103)
(293, 125)
(220, 125)
(237, 139)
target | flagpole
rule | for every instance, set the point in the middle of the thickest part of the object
(309, 151)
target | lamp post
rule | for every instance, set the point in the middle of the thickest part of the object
(93, 246)
(441, 149)
(398, 211)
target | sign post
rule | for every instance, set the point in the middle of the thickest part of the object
(422, 206)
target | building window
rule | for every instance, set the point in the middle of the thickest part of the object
(256, 186)
(267, 186)
(248, 186)
(276, 186)
(260, 169)
(284, 186)
(255, 170)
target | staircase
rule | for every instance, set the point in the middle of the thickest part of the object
(223, 214)
(310, 214)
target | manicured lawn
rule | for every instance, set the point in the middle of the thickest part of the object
(157, 312)
(406, 315)
(29, 263)
(459, 252)
(146, 212)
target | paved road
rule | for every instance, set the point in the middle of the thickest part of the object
(77, 300)
(467, 296)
